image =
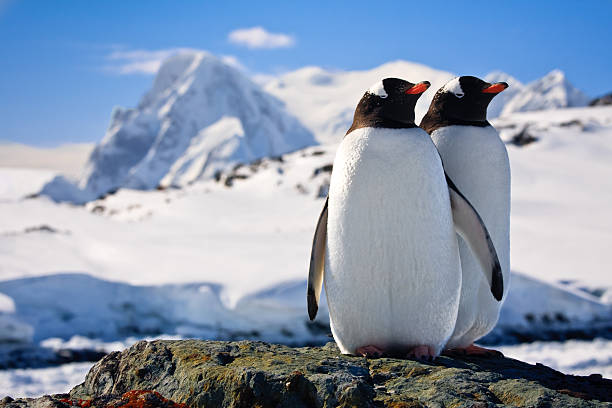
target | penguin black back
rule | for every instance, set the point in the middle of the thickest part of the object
(462, 101)
(388, 104)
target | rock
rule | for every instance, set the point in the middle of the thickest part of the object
(523, 138)
(247, 373)
(602, 100)
(30, 355)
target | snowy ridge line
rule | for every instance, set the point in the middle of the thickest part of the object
(203, 115)
(65, 305)
(333, 94)
(81, 305)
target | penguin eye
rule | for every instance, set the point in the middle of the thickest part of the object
(459, 95)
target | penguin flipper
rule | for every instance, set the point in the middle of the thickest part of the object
(471, 228)
(317, 264)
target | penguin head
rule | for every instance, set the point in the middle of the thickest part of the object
(466, 98)
(390, 100)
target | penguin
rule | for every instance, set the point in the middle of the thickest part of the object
(384, 244)
(476, 159)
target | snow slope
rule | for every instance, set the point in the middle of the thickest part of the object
(576, 357)
(194, 98)
(20, 182)
(561, 228)
(42, 381)
(233, 253)
(325, 100)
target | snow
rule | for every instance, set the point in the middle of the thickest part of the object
(561, 227)
(163, 139)
(11, 329)
(191, 92)
(41, 381)
(214, 261)
(550, 92)
(19, 182)
(7, 305)
(212, 149)
(85, 343)
(547, 309)
(576, 357)
(325, 100)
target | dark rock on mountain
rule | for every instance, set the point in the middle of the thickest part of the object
(247, 374)
(602, 100)
(524, 137)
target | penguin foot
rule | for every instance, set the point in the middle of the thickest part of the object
(472, 350)
(423, 353)
(370, 352)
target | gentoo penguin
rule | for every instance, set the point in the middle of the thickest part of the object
(385, 243)
(476, 159)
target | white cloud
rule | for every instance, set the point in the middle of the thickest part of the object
(147, 62)
(258, 37)
(124, 61)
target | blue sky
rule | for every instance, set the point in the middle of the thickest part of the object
(65, 64)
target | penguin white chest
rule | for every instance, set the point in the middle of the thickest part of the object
(392, 269)
(475, 158)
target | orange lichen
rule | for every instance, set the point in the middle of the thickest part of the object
(145, 399)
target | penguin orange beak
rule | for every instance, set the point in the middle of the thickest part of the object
(418, 88)
(495, 88)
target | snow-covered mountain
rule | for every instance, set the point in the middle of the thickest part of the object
(201, 115)
(549, 92)
(325, 100)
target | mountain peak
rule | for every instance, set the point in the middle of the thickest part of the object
(175, 68)
(192, 91)
(549, 92)
(556, 74)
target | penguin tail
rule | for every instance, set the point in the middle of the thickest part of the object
(313, 308)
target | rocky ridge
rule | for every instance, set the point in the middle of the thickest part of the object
(198, 373)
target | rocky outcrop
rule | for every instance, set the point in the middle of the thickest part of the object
(247, 374)
(602, 100)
